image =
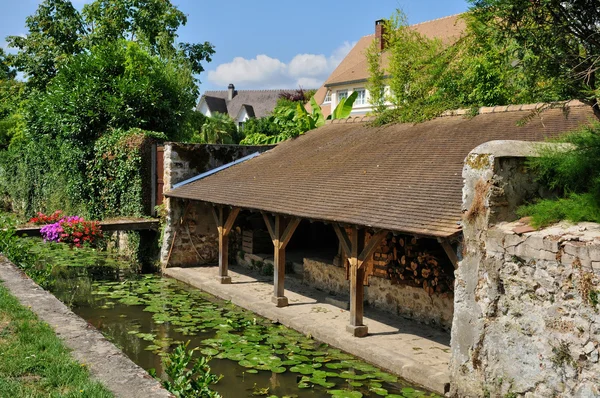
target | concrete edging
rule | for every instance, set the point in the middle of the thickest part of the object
(107, 364)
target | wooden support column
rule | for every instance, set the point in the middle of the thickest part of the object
(281, 232)
(224, 221)
(357, 253)
(449, 251)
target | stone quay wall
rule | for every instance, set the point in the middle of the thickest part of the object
(189, 232)
(526, 314)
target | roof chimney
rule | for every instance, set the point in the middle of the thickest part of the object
(230, 92)
(380, 33)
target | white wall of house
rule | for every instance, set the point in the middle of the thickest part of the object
(359, 107)
(203, 108)
(241, 117)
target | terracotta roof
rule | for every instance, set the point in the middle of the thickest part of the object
(401, 177)
(355, 67)
(261, 101)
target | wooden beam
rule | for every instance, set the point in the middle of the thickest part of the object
(373, 244)
(270, 225)
(449, 251)
(217, 213)
(230, 220)
(289, 231)
(343, 238)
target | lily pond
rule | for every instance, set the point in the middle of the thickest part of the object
(147, 315)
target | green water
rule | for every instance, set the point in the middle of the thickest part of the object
(147, 315)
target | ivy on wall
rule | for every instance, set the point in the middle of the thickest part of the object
(118, 177)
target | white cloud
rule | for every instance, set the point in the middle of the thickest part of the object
(305, 70)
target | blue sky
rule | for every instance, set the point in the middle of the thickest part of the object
(269, 43)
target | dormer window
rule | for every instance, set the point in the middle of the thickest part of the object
(327, 97)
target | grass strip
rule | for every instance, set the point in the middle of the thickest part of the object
(33, 360)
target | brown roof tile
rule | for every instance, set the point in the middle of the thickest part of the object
(355, 68)
(400, 177)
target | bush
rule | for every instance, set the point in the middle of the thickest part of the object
(575, 177)
(18, 251)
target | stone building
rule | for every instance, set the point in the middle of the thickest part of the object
(352, 206)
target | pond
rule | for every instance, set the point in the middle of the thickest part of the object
(147, 315)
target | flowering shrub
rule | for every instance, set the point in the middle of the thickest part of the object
(74, 231)
(43, 219)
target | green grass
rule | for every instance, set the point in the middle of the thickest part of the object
(574, 208)
(34, 362)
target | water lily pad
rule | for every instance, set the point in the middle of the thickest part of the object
(345, 394)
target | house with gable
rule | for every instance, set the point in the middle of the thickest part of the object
(240, 105)
(353, 72)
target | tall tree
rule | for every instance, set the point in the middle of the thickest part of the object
(559, 38)
(54, 33)
(57, 31)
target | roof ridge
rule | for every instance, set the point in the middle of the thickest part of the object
(512, 108)
(437, 19)
(480, 111)
(423, 22)
(258, 90)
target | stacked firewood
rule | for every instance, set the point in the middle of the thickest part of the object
(408, 262)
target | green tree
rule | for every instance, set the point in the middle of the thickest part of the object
(54, 33)
(58, 31)
(114, 86)
(219, 128)
(559, 41)
(11, 93)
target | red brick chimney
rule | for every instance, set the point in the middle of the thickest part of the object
(380, 33)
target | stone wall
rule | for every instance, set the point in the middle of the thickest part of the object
(189, 232)
(526, 320)
(408, 301)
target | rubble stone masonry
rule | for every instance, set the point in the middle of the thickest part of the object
(526, 312)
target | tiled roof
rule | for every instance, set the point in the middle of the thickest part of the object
(402, 177)
(261, 101)
(354, 66)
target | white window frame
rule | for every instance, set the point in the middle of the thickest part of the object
(327, 97)
(339, 94)
(359, 100)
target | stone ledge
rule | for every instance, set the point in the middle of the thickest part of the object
(106, 362)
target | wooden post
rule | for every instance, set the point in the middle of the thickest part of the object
(357, 253)
(281, 233)
(224, 226)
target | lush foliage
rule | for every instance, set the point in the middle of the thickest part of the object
(556, 41)
(219, 128)
(118, 85)
(57, 31)
(18, 251)
(189, 381)
(574, 174)
(109, 179)
(35, 363)
(113, 67)
(511, 53)
(118, 176)
(289, 120)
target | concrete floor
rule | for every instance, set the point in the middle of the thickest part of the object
(411, 350)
